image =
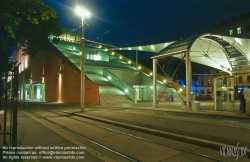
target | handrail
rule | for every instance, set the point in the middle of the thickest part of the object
(168, 82)
(128, 91)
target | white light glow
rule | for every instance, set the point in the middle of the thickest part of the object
(180, 89)
(120, 57)
(109, 77)
(38, 92)
(139, 67)
(164, 81)
(97, 57)
(129, 62)
(126, 90)
(152, 47)
(82, 12)
(26, 62)
(238, 41)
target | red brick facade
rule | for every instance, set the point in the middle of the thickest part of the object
(62, 81)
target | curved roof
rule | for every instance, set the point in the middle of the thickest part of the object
(221, 52)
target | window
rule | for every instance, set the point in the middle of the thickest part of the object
(209, 91)
(202, 82)
(247, 28)
(239, 30)
(248, 78)
(202, 91)
(240, 79)
(196, 82)
(209, 82)
(231, 32)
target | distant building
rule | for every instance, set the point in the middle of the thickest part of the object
(10, 59)
(236, 27)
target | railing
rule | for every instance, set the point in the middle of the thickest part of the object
(129, 91)
(167, 81)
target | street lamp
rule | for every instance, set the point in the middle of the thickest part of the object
(83, 13)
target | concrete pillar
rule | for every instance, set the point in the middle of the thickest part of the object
(188, 80)
(31, 92)
(247, 97)
(154, 82)
(233, 91)
(135, 92)
(215, 94)
(227, 94)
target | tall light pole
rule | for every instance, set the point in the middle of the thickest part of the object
(83, 13)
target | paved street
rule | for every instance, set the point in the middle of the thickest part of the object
(35, 129)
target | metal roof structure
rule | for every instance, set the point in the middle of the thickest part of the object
(155, 48)
(225, 53)
(229, 54)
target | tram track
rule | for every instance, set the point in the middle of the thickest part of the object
(82, 136)
(217, 132)
(113, 130)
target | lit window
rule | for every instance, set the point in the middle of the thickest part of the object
(231, 32)
(208, 82)
(97, 57)
(239, 30)
(197, 82)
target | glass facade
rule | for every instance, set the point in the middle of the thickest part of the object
(239, 30)
(231, 32)
(35, 92)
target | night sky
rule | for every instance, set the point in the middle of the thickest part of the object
(141, 22)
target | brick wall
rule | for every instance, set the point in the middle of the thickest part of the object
(62, 82)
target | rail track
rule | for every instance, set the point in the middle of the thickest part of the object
(110, 128)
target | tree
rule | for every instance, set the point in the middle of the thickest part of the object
(26, 23)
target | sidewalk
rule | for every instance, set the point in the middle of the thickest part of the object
(206, 108)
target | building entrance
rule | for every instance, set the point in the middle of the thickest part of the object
(35, 92)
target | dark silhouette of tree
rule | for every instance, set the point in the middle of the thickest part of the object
(26, 23)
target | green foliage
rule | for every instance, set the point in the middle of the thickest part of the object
(28, 22)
